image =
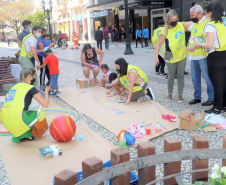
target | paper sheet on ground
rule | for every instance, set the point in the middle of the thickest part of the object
(24, 165)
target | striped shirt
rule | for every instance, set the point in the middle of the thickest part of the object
(22, 35)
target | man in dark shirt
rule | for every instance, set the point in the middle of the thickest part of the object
(27, 28)
(106, 37)
(99, 37)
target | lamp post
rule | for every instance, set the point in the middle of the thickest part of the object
(128, 44)
(3, 27)
(16, 21)
(48, 11)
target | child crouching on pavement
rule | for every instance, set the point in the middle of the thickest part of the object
(105, 77)
(119, 89)
(53, 63)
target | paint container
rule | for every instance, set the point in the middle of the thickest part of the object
(130, 140)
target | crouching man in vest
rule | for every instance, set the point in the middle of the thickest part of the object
(21, 113)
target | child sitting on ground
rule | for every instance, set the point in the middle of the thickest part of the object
(53, 63)
(105, 77)
(119, 89)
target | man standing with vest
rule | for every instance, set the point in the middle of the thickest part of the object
(198, 57)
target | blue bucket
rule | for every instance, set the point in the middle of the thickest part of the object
(130, 140)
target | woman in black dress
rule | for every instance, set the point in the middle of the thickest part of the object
(116, 37)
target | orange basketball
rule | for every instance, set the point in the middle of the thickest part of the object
(62, 128)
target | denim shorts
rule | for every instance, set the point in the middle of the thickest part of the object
(95, 63)
(53, 81)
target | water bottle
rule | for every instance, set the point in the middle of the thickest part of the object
(122, 141)
(78, 87)
(88, 84)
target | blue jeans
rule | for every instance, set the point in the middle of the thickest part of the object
(106, 43)
(53, 81)
(198, 66)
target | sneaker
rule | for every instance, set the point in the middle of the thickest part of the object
(52, 93)
(180, 99)
(208, 103)
(58, 94)
(150, 93)
(157, 73)
(169, 97)
(163, 74)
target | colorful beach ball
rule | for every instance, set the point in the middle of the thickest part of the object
(63, 128)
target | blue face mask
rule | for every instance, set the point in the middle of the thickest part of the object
(30, 29)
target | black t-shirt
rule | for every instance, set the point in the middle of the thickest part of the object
(29, 97)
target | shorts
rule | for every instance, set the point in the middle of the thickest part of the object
(95, 63)
(53, 81)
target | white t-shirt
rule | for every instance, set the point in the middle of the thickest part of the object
(30, 42)
(190, 29)
(107, 75)
(212, 29)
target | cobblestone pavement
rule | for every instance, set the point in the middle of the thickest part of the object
(70, 69)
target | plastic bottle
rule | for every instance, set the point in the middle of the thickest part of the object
(78, 87)
(88, 84)
(122, 141)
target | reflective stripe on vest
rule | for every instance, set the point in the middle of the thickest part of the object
(12, 111)
(177, 45)
(198, 31)
(23, 51)
(125, 82)
(221, 32)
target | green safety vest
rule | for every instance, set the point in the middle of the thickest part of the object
(125, 79)
(155, 38)
(23, 51)
(197, 31)
(177, 45)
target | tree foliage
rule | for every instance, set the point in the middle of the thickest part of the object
(38, 18)
(15, 10)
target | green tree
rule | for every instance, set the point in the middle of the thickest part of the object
(37, 18)
(13, 11)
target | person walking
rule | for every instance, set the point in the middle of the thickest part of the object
(99, 37)
(145, 36)
(75, 39)
(159, 69)
(106, 33)
(216, 44)
(176, 51)
(138, 36)
(116, 37)
(198, 58)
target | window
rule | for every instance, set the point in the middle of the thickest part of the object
(64, 16)
(157, 12)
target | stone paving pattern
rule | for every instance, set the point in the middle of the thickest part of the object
(70, 69)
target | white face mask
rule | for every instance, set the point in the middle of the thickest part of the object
(38, 34)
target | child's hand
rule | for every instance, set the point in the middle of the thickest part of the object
(127, 102)
(38, 67)
(108, 92)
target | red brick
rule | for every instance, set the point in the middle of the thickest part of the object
(224, 147)
(66, 177)
(200, 142)
(147, 174)
(91, 166)
(120, 155)
(171, 144)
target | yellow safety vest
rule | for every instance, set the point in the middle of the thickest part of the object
(125, 79)
(198, 31)
(221, 32)
(176, 40)
(12, 111)
(155, 38)
(23, 51)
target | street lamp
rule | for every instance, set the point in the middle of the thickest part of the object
(128, 44)
(16, 22)
(3, 27)
(48, 11)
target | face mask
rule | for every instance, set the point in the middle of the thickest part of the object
(38, 34)
(32, 81)
(118, 70)
(43, 36)
(173, 23)
(30, 29)
(195, 20)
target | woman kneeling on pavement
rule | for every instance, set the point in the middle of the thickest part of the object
(133, 79)
(21, 113)
(90, 61)
(216, 44)
(176, 52)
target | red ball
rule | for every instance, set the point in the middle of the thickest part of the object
(62, 128)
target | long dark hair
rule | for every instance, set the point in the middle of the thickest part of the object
(43, 30)
(112, 77)
(85, 47)
(123, 66)
(217, 10)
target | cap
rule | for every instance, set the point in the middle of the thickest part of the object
(161, 21)
(47, 49)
